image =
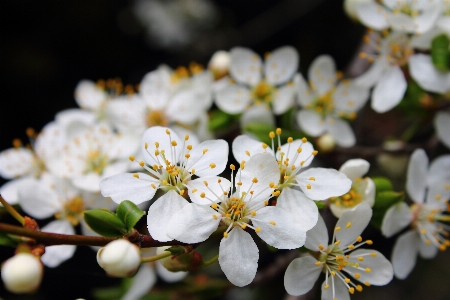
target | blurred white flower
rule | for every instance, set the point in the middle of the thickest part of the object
(442, 125)
(338, 260)
(22, 273)
(362, 190)
(326, 101)
(429, 188)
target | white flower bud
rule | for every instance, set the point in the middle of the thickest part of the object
(326, 143)
(219, 63)
(22, 273)
(119, 258)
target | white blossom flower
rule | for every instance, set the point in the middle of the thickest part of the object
(256, 83)
(441, 124)
(239, 204)
(429, 188)
(326, 101)
(22, 273)
(120, 258)
(407, 16)
(171, 163)
(362, 190)
(424, 72)
(339, 261)
(292, 159)
(392, 52)
(91, 96)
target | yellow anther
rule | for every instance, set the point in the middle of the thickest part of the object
(214, 205)
(273, 223)
(189, 147)
(347, 280)
(257, 229)
(239, 183)
(442, 247)
(255, 180)
(315, 152)
(349, 224)
(271, 185)
(320, 247)
(266, 202)
(237, 212)
(278, 131)
(194, 190)
(286, 177)
(232, 167)
(351, 247)
(225, 193)
(359, 288)
(333, 273)
(156, 145)
(204, 151)
(337, 242)
(276, 193)
(225, 235)
(318, 263)
(366, 283)
(174, 143)
(253, 213)
(205, 183)
(337, 228)
(156, 152)
(312, 178)
(351, 290)
(308, 186)
(357, 275)
(186, 137)
(132, 158)
(428, 242)
(202, 195)
(247, 152)
(181, 192)
(264, 145)
(326, 286)
(373, 254)
(187, 155)
(272, 134)
(299, 150)
(167, 131)
(290, 140)
(369, 242)
(165, 182)
(136, 175)
(423, 231)
(243, 226)
(361, 258)
(302, 163)
(215, 217)
(141, 163)
(368, 270)
(153, 186)
(304, 140)
(193, 171)
(146, 146)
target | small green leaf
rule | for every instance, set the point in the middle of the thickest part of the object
(382, 184)
(176, 250)
(129, 213)
(220, 120)
(5, 240)
(105, 223)
(383, 201)
(440, 52)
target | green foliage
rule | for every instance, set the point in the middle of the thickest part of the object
(382, 184)
(129, 213)
(105, 223)
(5, 240)
(440, 53)
(219, 120)
(383, 201)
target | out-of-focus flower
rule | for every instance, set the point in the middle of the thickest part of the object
(325, 102)
(215, 202)
(120, 258)
(255, 83)
(429, 188)
(219, 64)
(350, 7)
(22, 273)
(362, 190)
(338, 260)
(424, 72)
(442, 125)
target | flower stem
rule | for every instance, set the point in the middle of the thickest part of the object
(155, 257)
(211, 261)
(12, 211)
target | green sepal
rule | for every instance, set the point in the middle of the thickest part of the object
(382, 184)
(220, 120)
(321, 204)
(129, 213)
(105, 223)
(440, 52)
(176, 250)
(5, 240)
(383, 201)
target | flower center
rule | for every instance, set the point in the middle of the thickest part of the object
(262, 92)
(353, 197)
(235, 211)
(324, 104)
(96, 161)
(156, 118)
(73, 210)
(399, 51)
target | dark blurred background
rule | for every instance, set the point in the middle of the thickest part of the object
(47, 47)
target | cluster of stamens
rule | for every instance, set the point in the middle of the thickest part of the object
(352, 197)
(73, 210)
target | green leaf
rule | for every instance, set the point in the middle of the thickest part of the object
(220, 120)
(321, 204)
(440, 52)
(383, 201)
(261, 131)
(129, 213)
(105, 223)
(5, 240)
(382, 184)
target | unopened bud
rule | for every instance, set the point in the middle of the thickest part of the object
(22, 273)
(120, 258)
(326, 143)
(219, 64)
(191, 261)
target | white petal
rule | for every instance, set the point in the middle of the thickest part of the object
(281, 65)
(239, 269)
(303, 209)
(381, 269)
(323, 183)
(89, 182)
(396, 218)
(426, 20)
(322, 74)
(300, 276)
(244, 143)
(389, 90)
(155, 88)
(183, 107)
(206, 154)
(439, 169)
(285, 234)
(55, 255)
(401, 22)
(318, 235)
(245, 66)
(214, 192)
(311, 122)
(427, 251)
(193, 223)
(159, 134)
(290, 151)
(442, 123)
(372, 15)
(340, 289)
(160, 213)
(283, 99)
(126, 187)
(404, 254)
(426, 75)
(75, 117)
(258, 113)
(341, 131)
(15, 162)
(369, 78)
(89, 96)
(305, 95)
(10, 190)
(143, 281)
(369, 193)
(359, 217)
(38, 200)
(127, 113)
(355, 168)
(416, 176)
(264, 167)
(350, 96)
(233, 99)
